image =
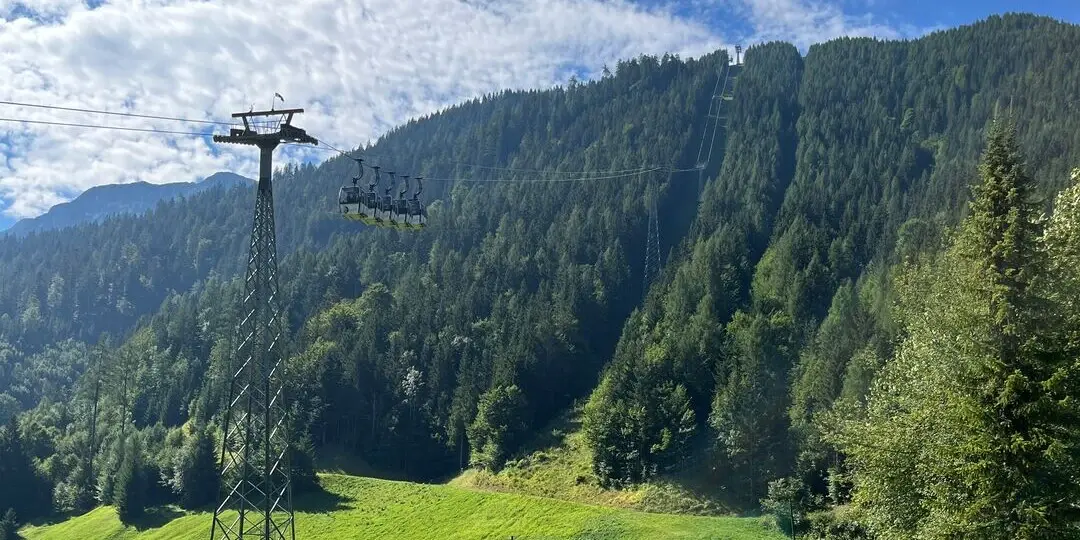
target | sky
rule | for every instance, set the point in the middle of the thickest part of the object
(358, 68)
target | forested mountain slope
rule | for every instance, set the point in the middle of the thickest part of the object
(749, 345)
(781, 284)
(424, 352)
(100, 202)
(524, 283)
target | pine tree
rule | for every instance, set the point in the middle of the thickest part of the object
(1019, 386)
(498, 425)
(32, 498)
(302, 462)
(195, 476)
(971, 430)
(129, 496)
(9, 526)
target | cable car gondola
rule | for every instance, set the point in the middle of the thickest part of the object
(371, 201)
(349, 200)
(416, 207)
(371, 208)
(384, 214)
(401, 206)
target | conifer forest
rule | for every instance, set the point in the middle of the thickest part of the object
(864, 323)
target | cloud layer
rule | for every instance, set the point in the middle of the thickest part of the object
(358, 68)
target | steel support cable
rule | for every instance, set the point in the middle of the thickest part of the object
(722, 75)
(601, 174)
(115, 113)
(719, 106)
(512, 169)
(96, 126)
(614, 174)
(326, 146)
(331, 148)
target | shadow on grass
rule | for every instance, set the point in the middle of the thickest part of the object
(316, 500)
(335, 459)
(153, 518)
(51, 519)
(554, 434)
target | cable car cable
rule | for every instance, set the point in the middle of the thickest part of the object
(604, 175)
(511, 169)
(627, 174)
(94, 126)
(114, 113)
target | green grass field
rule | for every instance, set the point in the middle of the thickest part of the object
(558, 464)
(354, 507)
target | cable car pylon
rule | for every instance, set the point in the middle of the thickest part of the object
(254, 467)
(652, 239)
(722, 91)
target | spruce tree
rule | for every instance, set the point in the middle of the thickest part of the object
(971, 430)
(1017, 388)
(195, 476)
(129, 495)
(9, 526)
(30, 496)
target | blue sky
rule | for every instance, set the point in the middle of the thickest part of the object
(924, 13)
(358, 66)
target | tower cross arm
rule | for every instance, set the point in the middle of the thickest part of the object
(286, 132)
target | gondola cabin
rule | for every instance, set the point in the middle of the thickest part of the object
(383, 210)
(349, 203)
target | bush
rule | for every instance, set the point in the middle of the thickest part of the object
(787, 501)
(840, 523)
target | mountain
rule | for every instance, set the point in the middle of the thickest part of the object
(789, 282)
(100, 202)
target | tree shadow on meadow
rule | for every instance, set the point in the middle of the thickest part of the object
(316, 500)
(155, 517)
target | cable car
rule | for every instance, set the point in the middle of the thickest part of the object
(371, 208)
(384, 213)
(349, 200)
(371, 201)
(401, 206)
(416, 207)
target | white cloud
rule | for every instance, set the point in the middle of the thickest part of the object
(358, 67)
(805, 22)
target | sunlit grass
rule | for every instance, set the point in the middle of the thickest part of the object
(354, 507)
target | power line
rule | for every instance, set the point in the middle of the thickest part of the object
(95, 126)
(113, 113)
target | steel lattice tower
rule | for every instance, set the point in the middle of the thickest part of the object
(652, 243)
(255, 469)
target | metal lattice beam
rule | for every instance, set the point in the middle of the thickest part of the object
(256, 502)
(652, 242)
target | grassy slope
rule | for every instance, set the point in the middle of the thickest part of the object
(354, 507)
(558, 464)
